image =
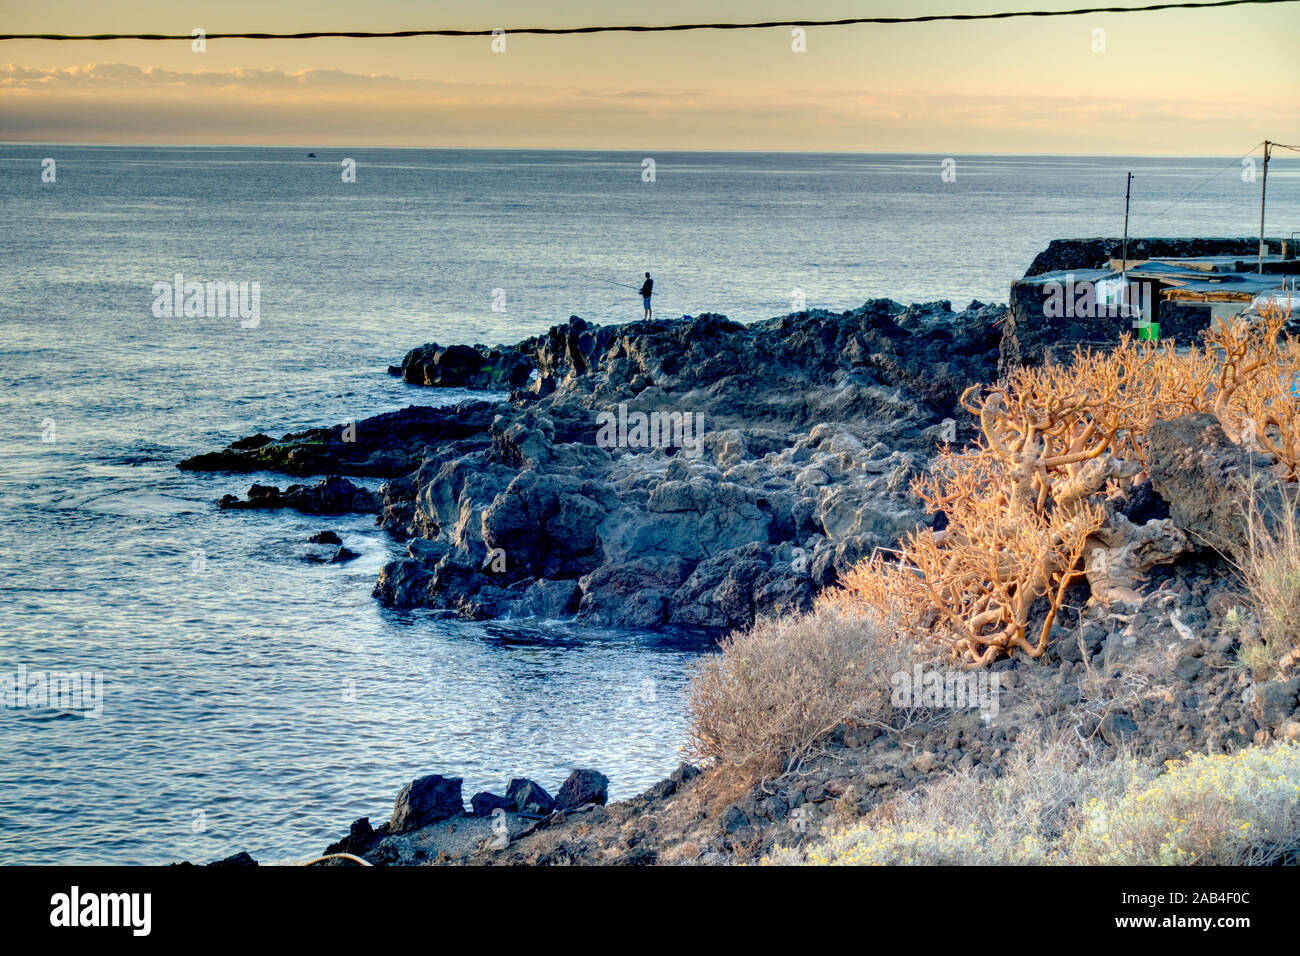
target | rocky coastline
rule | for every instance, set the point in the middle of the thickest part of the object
(701, 473)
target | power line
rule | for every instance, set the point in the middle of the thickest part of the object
(661, 28)
(1202, 185)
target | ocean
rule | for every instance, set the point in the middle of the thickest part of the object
(253, 700)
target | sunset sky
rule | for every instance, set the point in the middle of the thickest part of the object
(1207, 82)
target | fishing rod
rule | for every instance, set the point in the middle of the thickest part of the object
(624, 285)
(609, 281)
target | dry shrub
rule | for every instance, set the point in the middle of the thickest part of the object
(1056, 441)
(1071, 808)
(963, 820)
(783, 684)
(1254, 395)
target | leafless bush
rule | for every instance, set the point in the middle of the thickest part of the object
(783, 684)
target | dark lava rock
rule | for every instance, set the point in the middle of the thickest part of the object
(1276, 701)
(251, 442)
(548, 599)
(807, 432)
(360, 839)
(331, 496)
(673, 782)
(325, 537)
(810, 428)
(387, 446)
(583, 787)
(684, 773)
(1116, 728)
(1203, 475)
(239, 859)
(463, 366)
(426, 800)
(403, 584)
(1188, 668)
(343, 555)
(484, 803)
(734, 820)
(529, 797)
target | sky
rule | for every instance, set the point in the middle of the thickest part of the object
(1192, 82)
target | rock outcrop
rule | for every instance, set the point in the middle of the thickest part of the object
(332, 496)
(384, 446)
(692, 472)
(465, 366)
(581, 788)
(1204, 476)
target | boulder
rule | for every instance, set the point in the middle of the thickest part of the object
(424, 801)
(239, 859)
(403, 583)
(484, 803)
(548, 600)
(361, 837)
(1205, 477)
(632, 594)
(583, 787)
(1276, 701)
(463, 366)
(1116, 728)
(529, 797)
(729, 590)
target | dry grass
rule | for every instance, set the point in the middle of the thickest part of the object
(1271, 572)
(780, 686)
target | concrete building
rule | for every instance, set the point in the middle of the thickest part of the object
(1156, 296)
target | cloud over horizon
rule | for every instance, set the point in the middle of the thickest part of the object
(122, 102)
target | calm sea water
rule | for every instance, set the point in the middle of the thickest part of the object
(255, 701)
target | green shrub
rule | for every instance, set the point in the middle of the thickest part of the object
(1242, 809)
(1053, 808)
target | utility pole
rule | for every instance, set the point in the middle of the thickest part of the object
(1128, 191)
(1263, 194)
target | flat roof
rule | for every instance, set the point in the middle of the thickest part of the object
(1232, 286)
(1199, 263)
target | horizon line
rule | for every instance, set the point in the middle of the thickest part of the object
(618, 149)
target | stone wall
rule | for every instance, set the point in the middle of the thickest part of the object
(1063, 254)
(1031, 335)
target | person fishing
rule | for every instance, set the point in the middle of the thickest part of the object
(647, 288)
